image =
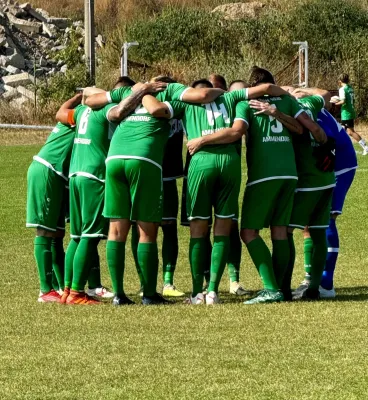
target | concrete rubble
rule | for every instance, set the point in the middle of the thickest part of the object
(31, 42)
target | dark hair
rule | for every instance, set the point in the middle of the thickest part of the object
(238, 81)
(260, 75)
(220, 79)
(344, 78)
(165, 79)
(204, 82)
(124, 81)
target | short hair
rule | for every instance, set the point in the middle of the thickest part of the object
(219, 79)
(344, 78)
(163, 78)
(260, 75)
(238, 81)
(124, 81)
(204, 82)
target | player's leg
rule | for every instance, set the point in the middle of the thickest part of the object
(349, 126)
(134, 240)
(117, 208)
(170, 243)
(257, 210)
(286, 282)
(44, 194)
(58, 260)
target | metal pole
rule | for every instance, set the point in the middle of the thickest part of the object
(124, 57)
(89, 40)
(306, 65)
(303, 66)
(125, 67)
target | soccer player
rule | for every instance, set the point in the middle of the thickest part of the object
(46, 181)
(348, 114)
(87, 188)
(272, 180)
(218, 81)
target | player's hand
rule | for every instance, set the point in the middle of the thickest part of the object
(263, 107)
(153, 87)
(194, 145)
(325, 155)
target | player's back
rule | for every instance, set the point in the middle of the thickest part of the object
(91, 143)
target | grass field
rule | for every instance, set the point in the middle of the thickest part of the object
(230, 351)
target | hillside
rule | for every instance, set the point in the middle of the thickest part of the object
(185, 39)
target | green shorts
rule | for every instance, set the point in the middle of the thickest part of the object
(86, 206)
(268, 203)
(171, 201)
(133, 190)
(213, 181)
(45, 192)
(312, 209)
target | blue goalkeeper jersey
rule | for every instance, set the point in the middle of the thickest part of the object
(346, 159)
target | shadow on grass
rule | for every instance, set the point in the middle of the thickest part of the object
(357, 293)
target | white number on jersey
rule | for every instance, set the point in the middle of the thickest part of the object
(84, 122)
(214, 112)
(276, 125)
(140, 110)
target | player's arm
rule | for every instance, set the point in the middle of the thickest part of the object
(317, 132)
(157, 108)
(201, 96)
(341, 97)
(266, 88)
(65, 112)
(325, 94)
(224, 136)
(268, 109)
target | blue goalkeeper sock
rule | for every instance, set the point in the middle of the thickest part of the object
(333, 252)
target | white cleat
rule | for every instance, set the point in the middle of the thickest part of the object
(101, 292)
(327, 294)
(196, 300)
(212, 298)
(238, 289)
(365, 151)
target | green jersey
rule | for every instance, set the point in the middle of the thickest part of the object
(346, 93)
(91, 142)
(205, 119)
(56, 152)
(172, 165)
(310, 177)
(141, 136)
(117, 95)
(270, 154)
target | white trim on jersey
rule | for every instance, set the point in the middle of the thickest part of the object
(271, 178)
(318, 226)
(28, 225)
(108, 113)
(246, 93)
(224, 216)
(297, 226)
(316, 188)
(242, 119)
(108, 97)
(171, 110)
(169, 219)
(93, 235)
(336, 212)
(48, 165)
(343, 171)
(333, 249)
(181, 96)
(298, 113)
(191, 218)
(74, 236)
(61, 228)
(86, 175)
(134, 158)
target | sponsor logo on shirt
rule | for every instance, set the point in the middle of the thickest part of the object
(210, 131)
(276, 139)
(82, 141)
(136, 118)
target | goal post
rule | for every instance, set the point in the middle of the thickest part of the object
(303, 63)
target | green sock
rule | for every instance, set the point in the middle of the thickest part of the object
(197, 259)
(82, 262)
(94, 277)
(286, 282)
(134, 244)
(308, 251)
(115, 254)
(55, 283)
(280, 259)
(220, 252)
(318, 257)
(234, 257)
(58, 261)
(43, 256)
(207, 264)
(69, 259)
(148, 262)
(262, 259)
(170, 250)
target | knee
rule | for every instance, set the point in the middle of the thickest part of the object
(279, 232)
(198, 228)
(247, 235)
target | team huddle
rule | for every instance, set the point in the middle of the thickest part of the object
(120, 154)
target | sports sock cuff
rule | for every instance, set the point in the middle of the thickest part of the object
(42, 240)
(362, 142)
(254, 243)
(113, 245)
(221, 239)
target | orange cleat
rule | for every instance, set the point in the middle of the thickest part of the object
(49, 297)
(65, 295)
(81, 298)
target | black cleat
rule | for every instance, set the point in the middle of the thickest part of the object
(122, 300)
(154, 300)
(308, 295)
(288, 296)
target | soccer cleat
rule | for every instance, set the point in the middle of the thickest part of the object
(327, 294)
(196, 300)
(212, 298)
(49, 297)
(154, 300)
(365, 151)
(302, 288)
(122, 300)
(140, 292)
(81, 298)
(60, 291)
(101, 291)
(172, 291)
(266, 296)
(205, 288)
(238, 289)
(308, 295)
(288, 296)
(65, 295)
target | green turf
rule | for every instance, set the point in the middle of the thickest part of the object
(230, 351)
